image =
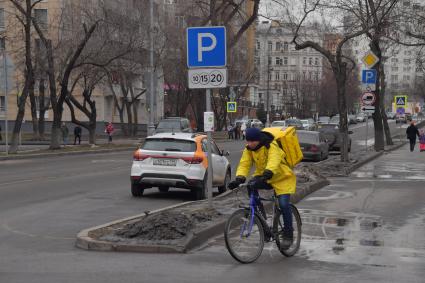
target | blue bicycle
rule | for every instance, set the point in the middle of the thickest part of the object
(246, 230)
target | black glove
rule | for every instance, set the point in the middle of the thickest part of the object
(267, 174)
(234, 184)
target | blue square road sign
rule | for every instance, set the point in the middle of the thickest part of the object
(206, 47)
(369, 76)
(231, 107)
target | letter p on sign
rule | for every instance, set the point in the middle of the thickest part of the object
(206, 47)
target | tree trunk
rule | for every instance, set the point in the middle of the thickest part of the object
(129, 118)
(377, 118)
(135, 118)
(42, 108)
(387, 132)
(18, 122)
(340, 76)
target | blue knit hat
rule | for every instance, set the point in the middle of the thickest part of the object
(253, 134)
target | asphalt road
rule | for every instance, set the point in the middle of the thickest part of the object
(45, 202)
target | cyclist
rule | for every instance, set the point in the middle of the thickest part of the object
(271, 172)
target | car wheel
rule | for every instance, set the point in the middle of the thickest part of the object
(163, 189)
(137, 190)
(319, 158)
(223, 188)
(201, 192)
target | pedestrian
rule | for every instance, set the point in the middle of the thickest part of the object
(243, 130)
(421, 140)
(65, 133)
(411, 132)
(77, 135)
(237, 130)
(230, 131)
(109, 130)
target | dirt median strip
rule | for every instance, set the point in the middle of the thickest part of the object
(196, 235)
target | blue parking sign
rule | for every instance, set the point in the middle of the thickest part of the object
(369, 76)
(206, 46)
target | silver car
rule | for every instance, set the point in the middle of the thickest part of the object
(178, 160)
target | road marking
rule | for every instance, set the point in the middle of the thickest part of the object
(8, 228)
(16, 182)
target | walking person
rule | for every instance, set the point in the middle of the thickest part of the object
(77, 134)
(243, 130)
(230, 131)
(65, 133)
(109, 130)
(411, 132)
(421, 140)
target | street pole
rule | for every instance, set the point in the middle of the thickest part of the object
(5, 104)
(151, 127)
(210, 161)
(367, 127)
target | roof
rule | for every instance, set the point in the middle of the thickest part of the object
(179, 136)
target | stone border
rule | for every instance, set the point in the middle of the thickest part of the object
(196, 239)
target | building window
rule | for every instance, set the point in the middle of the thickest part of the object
(406, 61)
(269, 60)
(285, 46)
(180, 21)
(394, 60)
(407, 52)
(406, 78)
(2, 18)
(394, 69)
(277, 76)
(304, 60)
(278, 45)
(278, 61)
(270, 46)
(310, 61)
(394, 78)
(285, 60)
(316, 61)
(2, 103)
(285, 76)
(258, 45)
(270, 76)
(41, 17)
(2, 43)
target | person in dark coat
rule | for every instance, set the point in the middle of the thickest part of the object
(77, 134)
(411, 132)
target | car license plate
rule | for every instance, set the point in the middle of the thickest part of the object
(165, 162)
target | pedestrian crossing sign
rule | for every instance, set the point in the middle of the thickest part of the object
(400, 100)
(231, 107)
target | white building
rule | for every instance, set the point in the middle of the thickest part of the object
(285, 75)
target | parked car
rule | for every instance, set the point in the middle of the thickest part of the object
(173, 125)
(352, 119)
(401, 118)
(361, 117)
(278, 124)
(313, 145)
(323, 120)
(178, 160)
(391, 115)
(334, 120)
(333, 136)
(294, 123)
(255, 123)
(409, 117)
(309, 124)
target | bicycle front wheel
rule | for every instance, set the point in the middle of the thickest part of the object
(244, 236)
(278, 231)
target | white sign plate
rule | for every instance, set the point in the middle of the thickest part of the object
(368, 109)
(368, 98)
(207, 78)
(368, 87)
(209, 121)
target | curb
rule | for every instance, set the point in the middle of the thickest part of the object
(53, 154)
(86, 242)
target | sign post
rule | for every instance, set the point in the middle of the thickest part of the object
(6, 129)
(206, 60)
(400, 102)
(368, 99)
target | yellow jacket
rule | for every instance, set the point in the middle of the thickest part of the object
(283, 181)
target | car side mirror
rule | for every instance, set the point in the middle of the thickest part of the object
(350, 132)
(225, 153)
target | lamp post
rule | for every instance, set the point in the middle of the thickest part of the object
(152, 111)
(5, 103)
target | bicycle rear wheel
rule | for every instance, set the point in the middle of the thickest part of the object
(244, 237)
(278, 231)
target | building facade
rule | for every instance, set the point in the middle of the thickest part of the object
(288, 78)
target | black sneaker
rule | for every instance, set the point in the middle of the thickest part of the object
(287, 240)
